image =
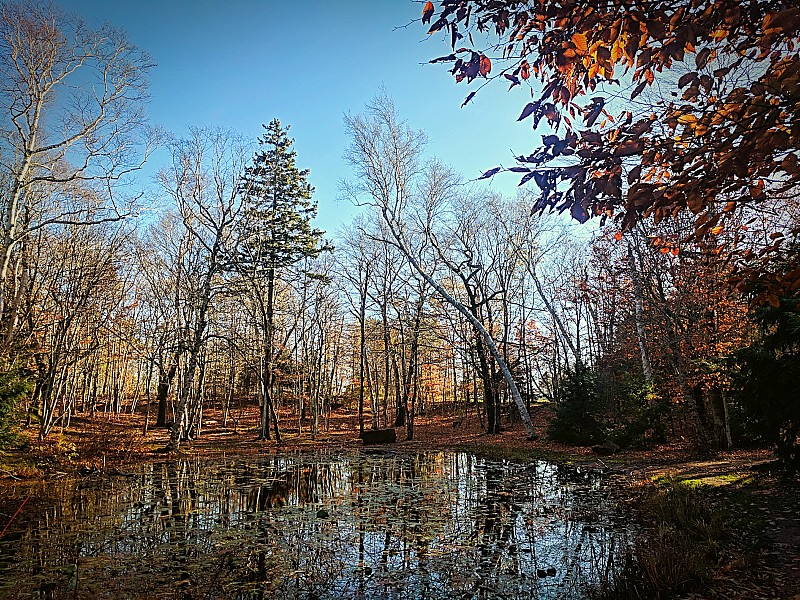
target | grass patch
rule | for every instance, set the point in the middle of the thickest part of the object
(693, 538)
(18, 464)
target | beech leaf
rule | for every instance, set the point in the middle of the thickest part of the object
(579, 39)
(529, 109)
(427, 12)
(701, 60)
(490, 173)
(686, 78)
(579, 213)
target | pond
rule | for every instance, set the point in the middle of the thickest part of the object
(314, 526)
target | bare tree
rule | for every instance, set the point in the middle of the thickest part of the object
(203, 181)
(79, 290)
(386, 154)
(72, 103)
(356, 267)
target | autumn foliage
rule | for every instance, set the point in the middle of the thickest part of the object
(656, 109)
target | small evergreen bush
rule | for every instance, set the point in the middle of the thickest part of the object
(14, 385)
(581, 408)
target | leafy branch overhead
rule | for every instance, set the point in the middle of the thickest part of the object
(656, 109)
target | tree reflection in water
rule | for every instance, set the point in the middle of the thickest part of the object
(382, 525)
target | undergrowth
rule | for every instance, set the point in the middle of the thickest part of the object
(693, 539)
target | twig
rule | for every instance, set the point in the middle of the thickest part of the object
(10, 474)
(13, 517)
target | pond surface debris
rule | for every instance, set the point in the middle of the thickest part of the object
(321, 525)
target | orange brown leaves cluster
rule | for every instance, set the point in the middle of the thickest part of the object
(719, 124)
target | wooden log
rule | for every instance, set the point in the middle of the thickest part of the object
(379, 436)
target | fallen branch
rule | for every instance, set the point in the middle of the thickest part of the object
(2, 533)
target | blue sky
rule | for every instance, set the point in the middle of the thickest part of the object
(240, 63)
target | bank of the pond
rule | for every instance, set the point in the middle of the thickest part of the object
(718, 527)
(726, 527)
(724, 535)
(108, 442)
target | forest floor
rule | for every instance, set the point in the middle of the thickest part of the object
(760, 560)
(110, 440)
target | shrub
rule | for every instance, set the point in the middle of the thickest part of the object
(580, 410)
(767, 376)
(14, 385)
(642, 412)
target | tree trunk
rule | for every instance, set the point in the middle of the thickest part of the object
(267, 372)
(523, 411)
(162, 391)
(641, 333)
(362, 350)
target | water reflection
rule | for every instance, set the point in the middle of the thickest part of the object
(434, 525)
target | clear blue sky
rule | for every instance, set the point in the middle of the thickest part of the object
(238, 64)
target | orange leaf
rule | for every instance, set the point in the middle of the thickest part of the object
(618, 236)
(427, 12)
(485, 65)
(579, 39)
(525, 69)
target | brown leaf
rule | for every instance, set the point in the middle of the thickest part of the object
(485, 65)
(629, 148)
(634, 174)
(442, 22)
(579, 213)
(686, 79)
(490, 173)
(701, 60)
(525, 70)
(529, 109)
(639, 89)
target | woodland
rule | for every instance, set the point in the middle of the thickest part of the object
(639, 294)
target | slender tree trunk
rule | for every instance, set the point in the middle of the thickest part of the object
(551, 309)
(400, 407)
(162, 392)
(362, 317)
(641, 333)
(267, 374)
(523, 411)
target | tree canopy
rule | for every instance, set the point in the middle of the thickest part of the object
(657, 111)
(277, 196)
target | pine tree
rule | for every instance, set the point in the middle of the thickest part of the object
(276, 233)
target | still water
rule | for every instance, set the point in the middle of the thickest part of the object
(314, 526)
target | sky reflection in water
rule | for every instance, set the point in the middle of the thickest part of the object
(369, 525)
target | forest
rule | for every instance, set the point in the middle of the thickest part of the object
(633, 304)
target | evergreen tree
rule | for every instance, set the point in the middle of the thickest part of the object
(580, 408)
(276, 233)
